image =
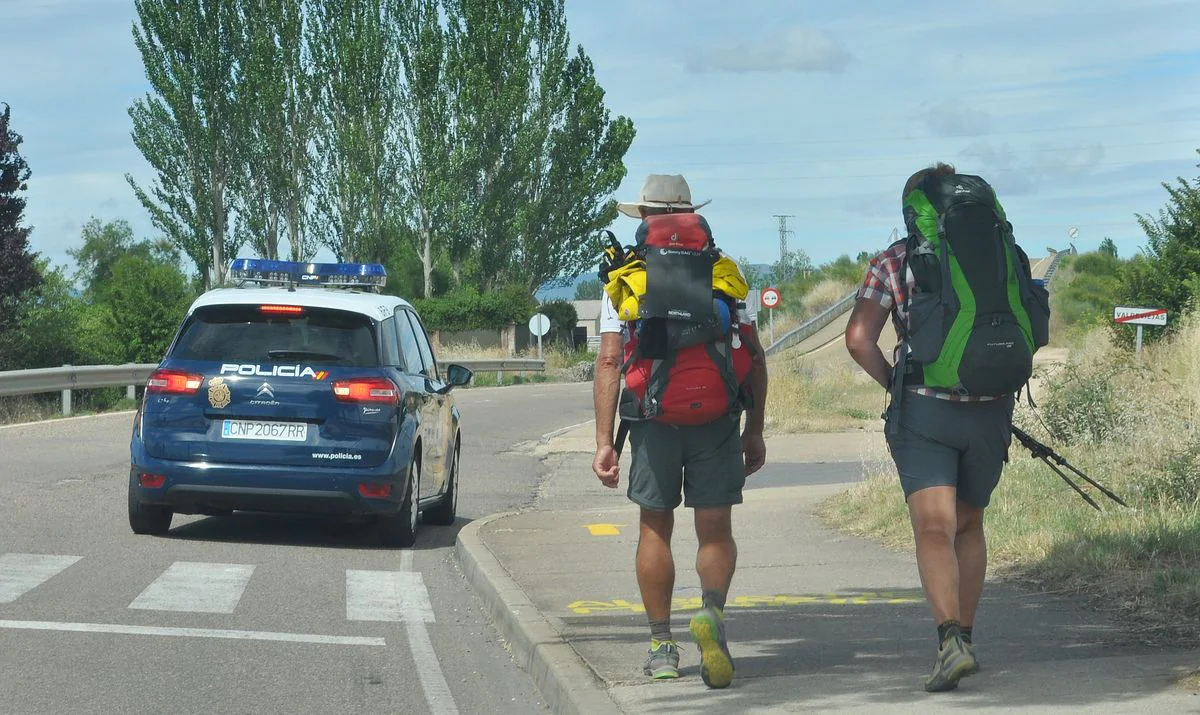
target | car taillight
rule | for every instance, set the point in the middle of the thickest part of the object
(374, 491)
(151, 481)
(174, 382)
(367, 389)
(281, 309)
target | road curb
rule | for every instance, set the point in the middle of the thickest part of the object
(567, 683)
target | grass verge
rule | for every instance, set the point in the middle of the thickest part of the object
(1134, 428)
(803, 398)
(20, 409)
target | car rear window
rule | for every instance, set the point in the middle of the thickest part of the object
(245, 334)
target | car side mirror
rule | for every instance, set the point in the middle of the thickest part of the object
(457, 375)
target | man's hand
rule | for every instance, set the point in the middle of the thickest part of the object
(755, 450)
(606, 467)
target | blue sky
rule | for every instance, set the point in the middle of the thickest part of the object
(1075, 111)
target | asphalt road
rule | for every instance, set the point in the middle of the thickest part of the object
(249, 613)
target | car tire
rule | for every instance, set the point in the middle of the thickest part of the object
(400, 529)
(446, 511)
(148, 519)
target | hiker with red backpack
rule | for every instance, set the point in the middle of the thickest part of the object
(969, 317)
(674, 327)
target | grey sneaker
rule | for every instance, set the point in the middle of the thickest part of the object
(662, 661)
(971, 649)
(716, 665)
(954, 662)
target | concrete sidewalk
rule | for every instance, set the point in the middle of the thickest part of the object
(817, 621)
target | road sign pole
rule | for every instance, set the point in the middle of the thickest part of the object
(1139, 342)
(771, 326)
(540, 346)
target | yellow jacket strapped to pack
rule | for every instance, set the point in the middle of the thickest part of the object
(627, 284)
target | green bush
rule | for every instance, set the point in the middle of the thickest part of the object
(468, 309)
(563, 318)
(1178, 481)
(1083, 407)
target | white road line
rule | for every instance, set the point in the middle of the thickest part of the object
(21, 573)
(196, 587)
(119, 629)
(389, 596)
(429, 670)
(433, 681)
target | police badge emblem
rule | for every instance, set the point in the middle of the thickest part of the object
(218, 393)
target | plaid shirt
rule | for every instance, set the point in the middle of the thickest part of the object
(883, 285)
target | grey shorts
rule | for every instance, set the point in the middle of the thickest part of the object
(704, 462)
(955, 444)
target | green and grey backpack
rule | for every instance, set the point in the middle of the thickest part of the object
(976, 317)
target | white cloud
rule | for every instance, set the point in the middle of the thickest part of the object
(797, 49)
(952, 118)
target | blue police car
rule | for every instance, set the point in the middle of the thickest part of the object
(302, 390)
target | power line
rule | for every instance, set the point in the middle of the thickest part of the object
(893, 174)
(881, 157)
(860, 140)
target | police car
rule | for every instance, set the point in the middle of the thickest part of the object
(301, 390)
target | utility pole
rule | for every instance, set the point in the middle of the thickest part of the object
(784, 232)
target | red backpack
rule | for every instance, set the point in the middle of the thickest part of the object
(686, 362)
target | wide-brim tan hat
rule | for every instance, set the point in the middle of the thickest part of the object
(662, 191)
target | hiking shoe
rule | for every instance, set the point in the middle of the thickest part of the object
(662, 662)
(978, 666)
(954, 662)
(716, 665)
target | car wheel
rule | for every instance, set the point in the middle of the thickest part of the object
(400, 529)
(445, 512)
(148, 518)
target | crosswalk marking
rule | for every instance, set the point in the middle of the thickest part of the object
(380, 596)
(392, 596)
(21, 573)
(196, 587)
(226, 633)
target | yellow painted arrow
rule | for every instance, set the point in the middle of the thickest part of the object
(604, 529)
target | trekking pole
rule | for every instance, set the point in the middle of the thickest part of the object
(1044, 453)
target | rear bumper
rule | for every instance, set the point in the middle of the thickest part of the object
(191, 488)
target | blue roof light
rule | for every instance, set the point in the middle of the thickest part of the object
(292, 273)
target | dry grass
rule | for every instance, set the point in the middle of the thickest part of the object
(823, 295)
(820, 399)
(24, 408)
(21, 409)
(1134, 429)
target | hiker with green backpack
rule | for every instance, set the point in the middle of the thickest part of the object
(969, 318)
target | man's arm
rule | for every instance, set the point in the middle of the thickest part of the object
(756, 415)
(606, 387)
(862, 339)
(754, 447)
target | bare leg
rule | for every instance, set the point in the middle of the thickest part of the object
(716, 558)
(655, 564)
(934, 522)
(970, 546)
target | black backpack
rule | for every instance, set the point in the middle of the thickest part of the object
(975, 317)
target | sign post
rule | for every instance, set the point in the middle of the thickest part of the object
(770, 301)
(539, 325)
(1140, 317)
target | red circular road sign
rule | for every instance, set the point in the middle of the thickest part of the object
(770, 298)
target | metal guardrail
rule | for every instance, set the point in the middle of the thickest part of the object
(134, 375)
(814, 324)
(1049, 275)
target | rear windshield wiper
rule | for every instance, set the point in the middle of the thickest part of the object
(299, 354)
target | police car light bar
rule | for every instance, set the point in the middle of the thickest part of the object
(265, 271)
